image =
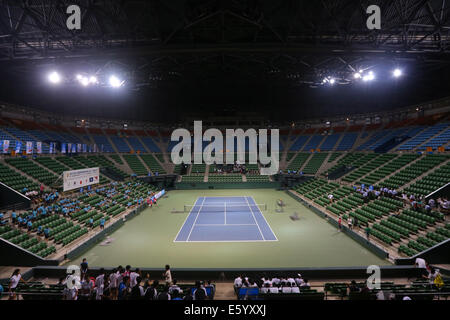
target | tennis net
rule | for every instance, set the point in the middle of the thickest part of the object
(223, 207)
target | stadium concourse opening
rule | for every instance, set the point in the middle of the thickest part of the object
(348, 199)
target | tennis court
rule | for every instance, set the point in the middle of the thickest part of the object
(147, 240)
(225, 219)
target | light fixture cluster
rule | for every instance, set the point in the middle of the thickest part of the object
(361, 75)
(86, 80)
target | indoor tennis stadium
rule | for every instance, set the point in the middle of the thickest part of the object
(224, 150)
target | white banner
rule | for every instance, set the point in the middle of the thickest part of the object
(160, 194)
(29, 149)
(76, 179)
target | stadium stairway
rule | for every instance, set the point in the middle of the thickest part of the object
(324, 163)
(376, 164)
(46, 168)
(306, 142)
(120, 165)
(146, 149)
(339, 140)
(298, 161)
(330, 162)
(110, 141)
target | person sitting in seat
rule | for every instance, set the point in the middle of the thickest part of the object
(238, 282)
(295, 289)
(174, 287)
(286, 288)
(305, 284)
(274, 289)
(265, 288)
(199, 291)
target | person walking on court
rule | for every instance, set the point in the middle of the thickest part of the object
(340, 224)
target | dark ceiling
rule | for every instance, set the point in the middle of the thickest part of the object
(220, 57)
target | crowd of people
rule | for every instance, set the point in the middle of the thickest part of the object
(416, 203)
(129, 284)
(276, 284)
(237, 167)
(51, 203)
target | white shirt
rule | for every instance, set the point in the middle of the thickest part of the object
(273, 290)
(238, 282)
(133, 276)
(291, 281)
(99, 283)
(73, 293)
(168, 276)
(421, 263)
(295, 290)
(286, 290)
(99, 292)
(15, 280)
(275, 280)
(299, 281)
(113, 280)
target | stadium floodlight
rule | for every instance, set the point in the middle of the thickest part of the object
(54, 77)
(357, 75)
(93, 80)
(84, 81)
(397, 73)
(369, 77)
(115, 82)
(332, 81)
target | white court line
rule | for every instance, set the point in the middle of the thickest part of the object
(190, 211)
(224, 241)
(224, 225)
(266, 222)
(198, 213)
(256, 222)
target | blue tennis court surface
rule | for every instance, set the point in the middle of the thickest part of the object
(225, 219)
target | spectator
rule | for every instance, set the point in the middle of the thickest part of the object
(299, 280)
(305, 284)
(353, 287)
(134, 277)
(274, 289)
(174, 287)
(175, 296)
(238, 282)
(167, 275)
(84, 267)
(14, 281)
(199, 291)
(265, 288)
(99, 284)
(367, 232)
(164, 295)
(151, 293)
(286, 288)
(137, 291)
